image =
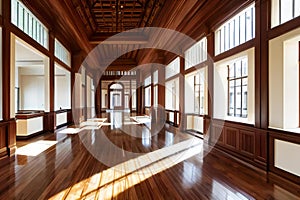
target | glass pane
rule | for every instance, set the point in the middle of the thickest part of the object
(249, 25)
(238, 100)
(231, 71)
(244, 67)
(238, 69)
(242, 28)
(231, 98)
(297, 8)
(286, 10)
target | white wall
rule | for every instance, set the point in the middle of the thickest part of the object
(286, 156)
(284, 81)
(1, 115)
(29, 126)
(32, 96)
(62, 92)
(221, 87)
(61, 118)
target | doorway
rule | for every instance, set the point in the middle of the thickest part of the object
(116, 96)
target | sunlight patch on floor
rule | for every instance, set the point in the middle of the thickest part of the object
(35, 148)
(115, 180)
(90, 124)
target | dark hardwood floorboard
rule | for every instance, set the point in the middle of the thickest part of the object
(68, 170)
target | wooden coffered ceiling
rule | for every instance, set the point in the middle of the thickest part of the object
(83, 24)
(104, 18)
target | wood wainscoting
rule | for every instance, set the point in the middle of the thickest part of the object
(7, 138)
(240, 140)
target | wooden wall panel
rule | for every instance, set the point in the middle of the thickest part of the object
(231, 137)
(247, 142)
(242, 141)
(2, 139)
(261, 146)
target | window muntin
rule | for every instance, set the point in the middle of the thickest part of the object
(173, 68)
(62, 53)
(28, 23)
(238, 88)
(284, 11)
(236, 31)
(196, 54)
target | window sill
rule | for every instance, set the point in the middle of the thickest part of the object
(292, 130)
(237, 119)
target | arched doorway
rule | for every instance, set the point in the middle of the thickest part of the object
(116, 96)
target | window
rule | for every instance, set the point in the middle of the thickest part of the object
(196, 87)
(28, 23)
(148, 96)
(172, 94)
(196, 54)
(62, 53)
(173, 68)
(199, 92)
(147, 90)
(284, 10)
(236, 31)
(238, 88)
(62, 88)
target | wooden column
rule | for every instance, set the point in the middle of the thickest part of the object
(261, 65)
(182, 117)
(210, 81)
(8, 130)
(50, 118)
(98, 96)
(139, 92)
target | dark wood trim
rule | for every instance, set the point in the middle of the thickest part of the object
(247, 45)
(30, 136)
(262, 69)
(284, 28)
(196, 67)
(29, 116)
(62, 64)
(172, 77)
(26, 38)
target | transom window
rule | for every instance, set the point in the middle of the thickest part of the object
(236, 31)
(28, 23)
(196, 54)
(284, 10)
(238, 88)
(173, 68)
(62, 53)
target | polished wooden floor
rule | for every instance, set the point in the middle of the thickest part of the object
(129, 161)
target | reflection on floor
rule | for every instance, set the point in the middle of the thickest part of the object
(130, 161)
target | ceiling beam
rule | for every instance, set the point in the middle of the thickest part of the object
(128, 38)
